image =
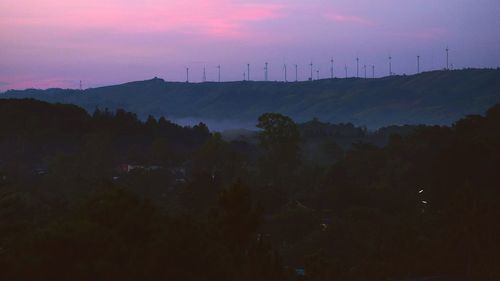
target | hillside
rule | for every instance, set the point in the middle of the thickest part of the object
(438, 97)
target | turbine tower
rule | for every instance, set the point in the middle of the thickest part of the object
(373, 71)
(284, 68)
(317, 74)
(365, 70)
(266, 72)
(204, 74)
(80, 85)
(357, 67)
(311, 64)
(219, 72)
(187, 74)
(447, 58)
(331, 68)
(296, 73)
(418, 64)
(346, 71)
(248, 70)
(390, 65)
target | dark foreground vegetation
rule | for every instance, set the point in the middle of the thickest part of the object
(108, 197)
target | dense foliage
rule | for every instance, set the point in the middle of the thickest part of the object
(110, 197)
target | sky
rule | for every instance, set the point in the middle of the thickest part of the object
(56, 43)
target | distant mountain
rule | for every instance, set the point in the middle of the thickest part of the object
(437, 97)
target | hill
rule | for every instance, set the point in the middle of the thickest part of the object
(437, 97)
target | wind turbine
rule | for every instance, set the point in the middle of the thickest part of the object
(331, 68)
(447, 57)
(346, 71)
(284, 68)
(311, 64)
(365, 70)
(390, 65)
(248, 70)
(418, 64)
(204, 75)
(266, 71)
(219, 72)
(357, 67)
(296, 73)
(373, 71)
(317, 74)
(187, 74)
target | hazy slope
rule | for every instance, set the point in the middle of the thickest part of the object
(438, 97)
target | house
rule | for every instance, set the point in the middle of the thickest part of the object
(300, 272)
(179, 175)
(127, 168)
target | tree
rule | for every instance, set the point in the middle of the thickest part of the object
(209, 158)
(237, 222)
(237, 217)
(161, 153)
(151, 124)
(333, 151)
(280, 138)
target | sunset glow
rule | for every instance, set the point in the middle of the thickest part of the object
(53, 43)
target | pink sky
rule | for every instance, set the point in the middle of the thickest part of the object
(50, 43)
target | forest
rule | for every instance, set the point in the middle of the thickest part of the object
(109, 196)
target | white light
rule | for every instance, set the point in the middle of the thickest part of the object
(425, 202)
(421, 190)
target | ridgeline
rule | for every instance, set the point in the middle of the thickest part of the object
(437, 97)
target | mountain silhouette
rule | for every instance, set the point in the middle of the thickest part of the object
(437, 97)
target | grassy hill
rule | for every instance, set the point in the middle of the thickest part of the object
(437, 97)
